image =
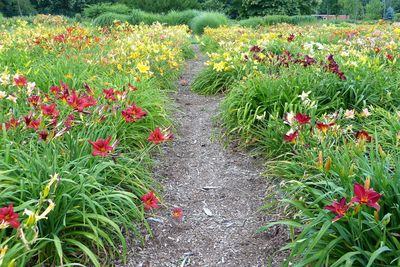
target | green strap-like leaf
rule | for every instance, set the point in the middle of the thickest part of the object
(376, 255)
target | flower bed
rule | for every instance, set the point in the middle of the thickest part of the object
(320, 104)
(81, 109)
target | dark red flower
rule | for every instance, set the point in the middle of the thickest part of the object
(101, 147)
(302, 118)
(55, 89)
(79, 103)
(133, 113)
(20, 81)
(88, 89)
(12, 123)
(34, 100)
(109, 94)
(390, 57)
(339, 208)
(366, 196)
(363, 135)
(334, 68)
(69, 121)
(132, 87)
(291, 137)
(9, 217)
(150, 201)
(30, 123)
(49, 110)
(43, 135)
(291, 37)
(158, 137)
(255, 49)
(177, 213)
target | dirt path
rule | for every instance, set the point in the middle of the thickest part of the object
(199, 173)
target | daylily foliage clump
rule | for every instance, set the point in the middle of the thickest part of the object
(320, 102)
(81, 105)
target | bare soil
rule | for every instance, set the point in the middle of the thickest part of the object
(219, 190)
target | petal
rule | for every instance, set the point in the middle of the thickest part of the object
(355, 199)
(359, 190)
(373, 196)
(330, 208)
(374, 205)
(338, 217)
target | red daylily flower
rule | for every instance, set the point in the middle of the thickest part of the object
(109, 94)
(12, 123)
(339, 208)
(49, 110)
(150, 201)
(55, 89)
(157, 137)
(43, 135)
(20, 81)
(69, 121)
(291, 37)
(255, 49)
(61, 38)
(177, 213)
(9, 217)
(366, 196)
(101, 147)
(79, 103)
(132, 87)
(30, 123)
(132, 113)
(291, 137)
(324, 127)
(363, 135)
(302, 118)
(34, 100)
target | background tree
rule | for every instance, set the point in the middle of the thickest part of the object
(354, 8)
(389, 14)
(279, 7)
(374, 9)
(16, 7)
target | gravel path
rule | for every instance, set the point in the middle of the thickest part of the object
(201, 177)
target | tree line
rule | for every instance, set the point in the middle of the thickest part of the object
(357, 9)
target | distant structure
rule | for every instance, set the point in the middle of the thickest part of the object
(330, 17)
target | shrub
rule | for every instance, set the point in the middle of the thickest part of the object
(397, 17)
(252, 22)
(180, 17)
(208, 19)
(162, 6)
(374, 10)
(296, 20)
(93, 11)
(389, 14)
(138, 16)
(107, 19)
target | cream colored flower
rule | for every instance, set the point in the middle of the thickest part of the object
(365, 113)
(304, 95)
(349, 114)
(12, 98)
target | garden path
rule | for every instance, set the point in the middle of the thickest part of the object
(219, 190)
